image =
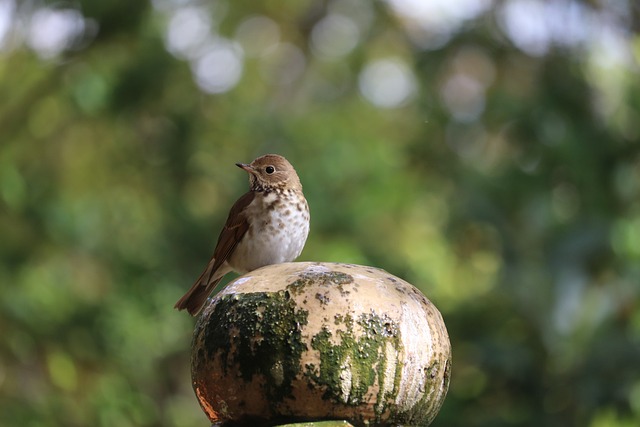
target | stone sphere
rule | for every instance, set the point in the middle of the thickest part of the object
(320, 341)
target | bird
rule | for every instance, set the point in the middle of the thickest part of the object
(267, 225)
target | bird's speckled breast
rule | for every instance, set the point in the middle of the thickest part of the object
(278, 236)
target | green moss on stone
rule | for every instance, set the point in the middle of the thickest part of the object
(353, 359)
(265, 332)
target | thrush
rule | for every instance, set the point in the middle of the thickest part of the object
(267, 225)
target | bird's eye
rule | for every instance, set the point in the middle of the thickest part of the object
(269, 169)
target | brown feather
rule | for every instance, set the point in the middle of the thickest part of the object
(232, 232)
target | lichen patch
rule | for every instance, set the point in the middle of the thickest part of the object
(358, 361)
(320, 278)
(257, 334)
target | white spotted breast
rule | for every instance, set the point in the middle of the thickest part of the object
(278, 230)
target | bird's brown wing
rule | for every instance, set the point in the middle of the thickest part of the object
(232, 232)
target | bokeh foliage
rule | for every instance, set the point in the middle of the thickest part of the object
(499, 173)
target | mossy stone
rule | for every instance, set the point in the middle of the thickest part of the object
(307, 342)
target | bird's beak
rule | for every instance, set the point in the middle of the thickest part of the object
(246, 167)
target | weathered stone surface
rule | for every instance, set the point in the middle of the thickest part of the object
(321, 341)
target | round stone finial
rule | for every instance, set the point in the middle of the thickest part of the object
(320, 341)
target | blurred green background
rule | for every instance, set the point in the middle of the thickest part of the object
(486, 151)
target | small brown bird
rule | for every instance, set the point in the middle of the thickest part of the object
(267, 225)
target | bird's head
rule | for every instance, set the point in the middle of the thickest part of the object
(270, 172)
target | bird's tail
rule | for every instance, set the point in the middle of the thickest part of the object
(197, 295)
